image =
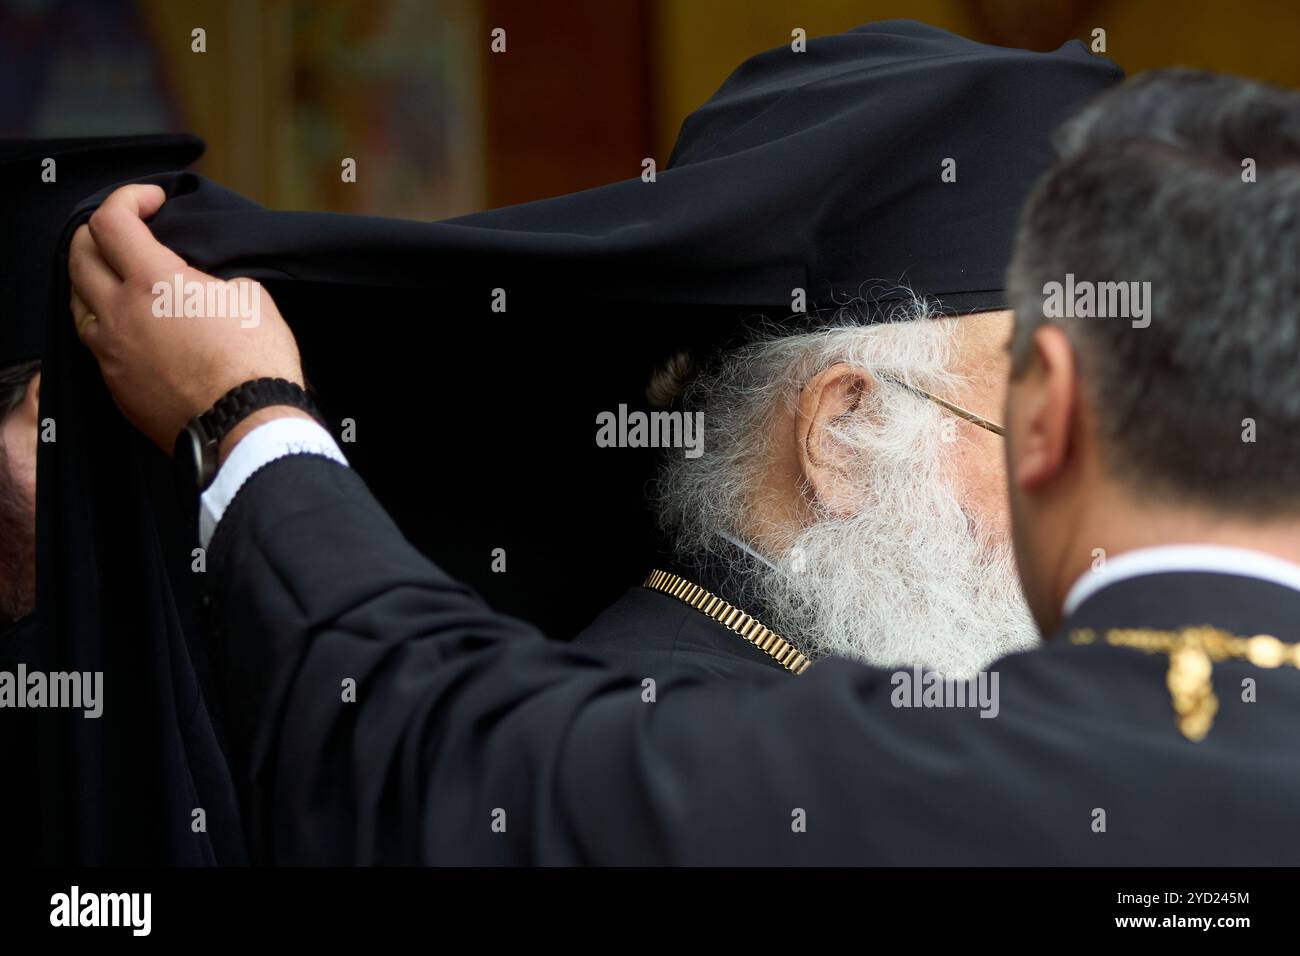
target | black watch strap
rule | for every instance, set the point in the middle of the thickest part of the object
(242, 400)
(195, 454)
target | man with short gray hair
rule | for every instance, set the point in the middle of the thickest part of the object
(852, 494)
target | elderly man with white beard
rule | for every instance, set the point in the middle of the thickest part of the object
(850, 501)
(853, 491)
(847, 497)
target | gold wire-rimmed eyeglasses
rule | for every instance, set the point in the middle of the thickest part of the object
(947, 406)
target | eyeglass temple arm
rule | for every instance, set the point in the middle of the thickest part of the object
(955, 409)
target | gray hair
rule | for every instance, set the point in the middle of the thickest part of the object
(1151, 186)
(741, 393)
(906, 575)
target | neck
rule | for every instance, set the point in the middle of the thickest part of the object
(1116, 530)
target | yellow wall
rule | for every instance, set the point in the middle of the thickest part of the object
(235, 95)
(1257, 38)
(701, 41)
(240, 95)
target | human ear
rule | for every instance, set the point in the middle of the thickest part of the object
(827, 465)
(30, 405)
(1041, 411)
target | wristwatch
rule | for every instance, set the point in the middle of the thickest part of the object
(195, 453)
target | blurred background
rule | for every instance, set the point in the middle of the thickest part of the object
(441, 126)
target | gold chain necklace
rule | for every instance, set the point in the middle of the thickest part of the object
(1191, 652)
(732, 618)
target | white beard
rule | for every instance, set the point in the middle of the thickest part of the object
(911, 579)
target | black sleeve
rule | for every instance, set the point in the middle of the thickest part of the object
(472, 739)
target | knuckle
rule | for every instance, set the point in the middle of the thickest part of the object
(99, 220)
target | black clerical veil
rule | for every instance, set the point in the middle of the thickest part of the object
(820, 170)
(99, 789)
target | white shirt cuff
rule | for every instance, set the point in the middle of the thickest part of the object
(263, 445)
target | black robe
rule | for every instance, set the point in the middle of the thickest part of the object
(470, 739)
(658, 636)
(20, 795)
(655, 631)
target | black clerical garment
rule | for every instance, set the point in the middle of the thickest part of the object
(20, 800)
(662, 637)
(695, 622)
(470, 739)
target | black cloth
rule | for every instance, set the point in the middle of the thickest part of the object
(122, 787)
(655, 635)
(462, 715)
(821, 170)
(20, 805)
(41, 182)
(660, 636)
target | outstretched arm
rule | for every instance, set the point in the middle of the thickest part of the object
(381, 712)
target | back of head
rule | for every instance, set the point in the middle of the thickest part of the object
(1178, 194)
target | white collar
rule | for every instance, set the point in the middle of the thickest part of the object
(1212, 558)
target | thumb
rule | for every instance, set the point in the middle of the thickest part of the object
(125, 242)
